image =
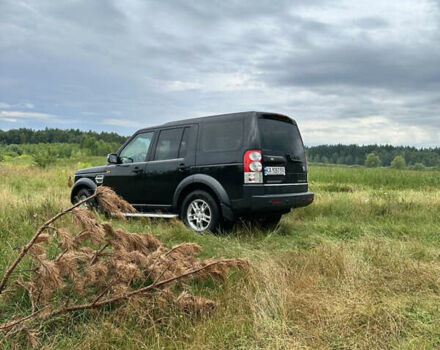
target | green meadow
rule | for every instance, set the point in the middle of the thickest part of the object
(358, 269)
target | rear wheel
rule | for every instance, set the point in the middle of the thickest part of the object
(271, 222)
(200, 212)
(265, 222)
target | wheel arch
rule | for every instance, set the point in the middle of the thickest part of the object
(80, 184)
(205, 183)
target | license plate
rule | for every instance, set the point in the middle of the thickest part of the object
(274, 170)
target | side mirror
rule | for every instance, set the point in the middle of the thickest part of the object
(112, 158)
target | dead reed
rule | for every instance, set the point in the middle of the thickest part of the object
(100, 265)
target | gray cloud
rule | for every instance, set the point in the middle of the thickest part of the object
(94, 63)
(368, 64)
(370, 23)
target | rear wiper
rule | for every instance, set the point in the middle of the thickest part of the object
(294, 158)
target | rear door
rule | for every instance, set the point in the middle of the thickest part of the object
(173, 157)
(284, 159)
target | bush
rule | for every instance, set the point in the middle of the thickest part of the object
(83, 165)
(398, 163)
(418, 166)
(43, 159)
(372, 160)
(14, 150)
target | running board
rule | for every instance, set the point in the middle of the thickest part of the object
(151, 215)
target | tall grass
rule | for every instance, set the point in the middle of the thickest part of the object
(358, 269)
(376, 178)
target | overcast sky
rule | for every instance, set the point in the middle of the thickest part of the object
(348, 71)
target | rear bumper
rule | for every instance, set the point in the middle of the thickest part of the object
(275, 202)
(262, 199)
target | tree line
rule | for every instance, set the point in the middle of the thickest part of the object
(24, 135)
(58, 143)
(48, 145)
(379, 155)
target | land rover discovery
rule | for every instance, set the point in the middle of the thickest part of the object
(208, 171)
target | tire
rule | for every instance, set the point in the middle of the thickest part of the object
(82, 194)
(200, 212)
(271, 222)
(266, 222)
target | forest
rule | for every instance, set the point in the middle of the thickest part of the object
(49, 144)
(25, 135)
(357, 155)
(44, 147)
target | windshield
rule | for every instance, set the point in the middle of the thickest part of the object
(281, 137)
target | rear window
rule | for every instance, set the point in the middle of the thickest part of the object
(281, 137)
(222, 136)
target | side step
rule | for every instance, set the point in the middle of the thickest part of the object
(150, 215)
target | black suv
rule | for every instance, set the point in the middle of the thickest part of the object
(208, 171)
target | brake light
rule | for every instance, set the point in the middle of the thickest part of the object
(253, 168)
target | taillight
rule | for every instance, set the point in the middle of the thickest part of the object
(253, 169)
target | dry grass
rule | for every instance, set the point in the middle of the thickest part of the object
(333, 296)
(359, 269)
(354, 296)
(101, 266)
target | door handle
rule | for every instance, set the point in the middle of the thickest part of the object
(181, 167)
(138, 170)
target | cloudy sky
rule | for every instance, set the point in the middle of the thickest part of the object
(347, 71)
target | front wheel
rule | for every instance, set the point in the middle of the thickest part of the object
(200, 212)
(82, 194)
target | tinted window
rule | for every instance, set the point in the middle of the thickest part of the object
(222, 136)
(281, 136)
(137, 149)
(185, 142)
(168, 144)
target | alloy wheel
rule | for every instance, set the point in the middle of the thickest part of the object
(198, 215)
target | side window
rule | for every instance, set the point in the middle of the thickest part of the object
(168, 144)
(185, 142)
(222, 136)
(137, 149)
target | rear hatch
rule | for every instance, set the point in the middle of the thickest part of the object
(284, 159)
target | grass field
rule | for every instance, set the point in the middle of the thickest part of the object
(358, 269)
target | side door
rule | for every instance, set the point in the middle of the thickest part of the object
(126, 177)
(171, 161)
